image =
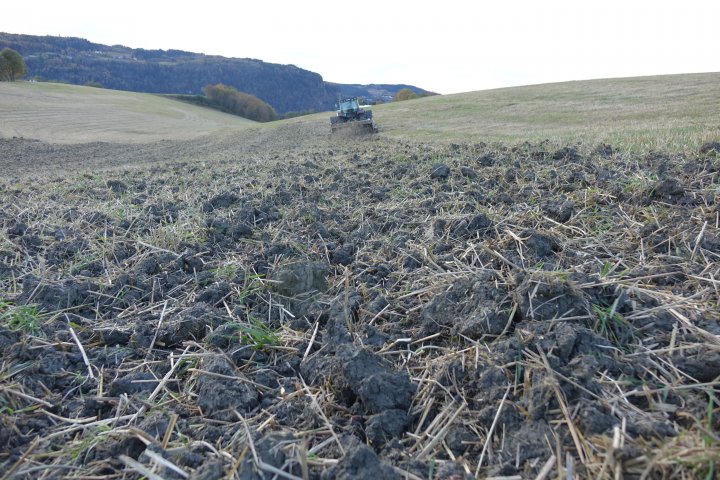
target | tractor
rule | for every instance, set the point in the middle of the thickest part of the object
(351, 116)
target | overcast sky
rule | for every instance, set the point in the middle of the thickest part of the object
(446, 46)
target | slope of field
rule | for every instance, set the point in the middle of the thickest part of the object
(57, 113)
(671, 111)
(277, 302)
(636, 114)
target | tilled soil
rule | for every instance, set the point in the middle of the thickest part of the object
(27, 158)
(294, 305)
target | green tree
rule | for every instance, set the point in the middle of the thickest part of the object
(12, 65)
(404, 94)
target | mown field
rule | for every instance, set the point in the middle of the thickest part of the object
(475, 292)
(677, 112)
(69, 114)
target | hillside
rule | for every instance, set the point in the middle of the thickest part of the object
(64, 114)
(639, 114)
(78, 61)
(380, 93)
(642, 113)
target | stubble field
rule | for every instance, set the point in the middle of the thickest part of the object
(275, 302)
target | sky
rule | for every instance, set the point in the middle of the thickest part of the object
(446, 46)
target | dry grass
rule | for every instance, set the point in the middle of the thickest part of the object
(58, 113)
(673, 112)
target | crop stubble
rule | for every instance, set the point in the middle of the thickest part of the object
(293, 307)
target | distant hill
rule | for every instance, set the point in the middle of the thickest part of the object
(376, 93)
(78, 61)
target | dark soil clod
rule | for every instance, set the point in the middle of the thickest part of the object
(361, 462)
(542, 296)
(440, 171)
(221, 392)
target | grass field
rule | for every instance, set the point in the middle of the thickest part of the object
(664, 112)
(639, 114)
(58, 113)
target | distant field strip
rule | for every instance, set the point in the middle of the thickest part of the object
(70, 114)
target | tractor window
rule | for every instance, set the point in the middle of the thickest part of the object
(348, 105)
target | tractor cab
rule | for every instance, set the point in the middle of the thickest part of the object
(349, 106)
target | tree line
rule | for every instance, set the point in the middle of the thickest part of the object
(408, 94)
(231, 100)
